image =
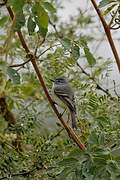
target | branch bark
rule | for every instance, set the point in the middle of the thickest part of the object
(108, 34)
(70, 131)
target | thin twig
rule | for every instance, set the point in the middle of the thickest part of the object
(114, 28)
(115, 89)
(38, 45)
(56, 135)
(46, 50)
(108, 34)
(57, 33)
(22, 64)
(92, 78)
(70, 131)
(3, 3)
(113, 17)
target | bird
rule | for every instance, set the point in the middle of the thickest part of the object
(65, 93)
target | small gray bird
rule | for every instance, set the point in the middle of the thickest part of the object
(65, 93)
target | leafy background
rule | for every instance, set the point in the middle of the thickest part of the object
(46, 151)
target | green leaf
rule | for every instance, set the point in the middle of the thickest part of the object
(116, 152)
(93, 138)
(27, 89)
(20, 21)
(90, 58)
(75, 153)
(14, 75)
(112, 166)
(75, 50)
(3, 20)
(41, 18)
(66, 43)
(77, 175)
(65, 173)
(3, 77)
(17, 5)
(101, 139)
(48, 6)
(3, 66)
(68, 162)
(31, 25)
(103, 120)
(108, 9)
(97, 72)
(103, 3)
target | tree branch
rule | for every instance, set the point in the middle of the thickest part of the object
(19, 65)
(22, 64)
(108, 34)
(46, 50)
(97, 85)
(70, 131)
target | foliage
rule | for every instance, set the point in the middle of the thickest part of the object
(44, 150)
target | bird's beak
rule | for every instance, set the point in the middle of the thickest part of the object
(52, 80)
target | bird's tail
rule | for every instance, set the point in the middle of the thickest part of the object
(73, 119)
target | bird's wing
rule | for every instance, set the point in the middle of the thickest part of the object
(67, 101)
(63, 90)
(62, 93)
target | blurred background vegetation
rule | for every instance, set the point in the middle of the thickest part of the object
(33, 144)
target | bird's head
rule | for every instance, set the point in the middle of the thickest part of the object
(60, 80)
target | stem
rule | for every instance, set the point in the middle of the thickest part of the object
(70, 131)
(113, 17)
(108, 34)
(47, 50)
(93, 79)
(19, 65)
(115, 89)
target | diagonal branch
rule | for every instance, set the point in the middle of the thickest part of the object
(70, 131)
(108, 34)
(93, 79)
